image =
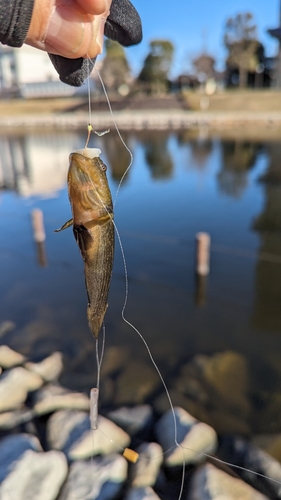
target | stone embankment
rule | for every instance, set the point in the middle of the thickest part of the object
(141, 119)
(48, 449)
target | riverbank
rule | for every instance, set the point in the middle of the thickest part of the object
(142, 119)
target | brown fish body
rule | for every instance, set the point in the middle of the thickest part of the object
(93, 229)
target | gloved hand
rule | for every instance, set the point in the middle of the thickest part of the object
(122, 25)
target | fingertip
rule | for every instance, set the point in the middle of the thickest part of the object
(94, 7)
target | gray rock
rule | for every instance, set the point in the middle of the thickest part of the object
(10, 419)
(15, 385)
(100, 479)
(49, 369)
(242, 453)
(12, 448)
(146, 493)
(210, 483)
(70, 432)
(146, 470)
(35, 476)
(55, 397)
(195, 439)
(9, 357)
(132, 420)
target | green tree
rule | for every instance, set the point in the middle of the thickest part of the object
(240, 39)
(115, 70)
(156, 67)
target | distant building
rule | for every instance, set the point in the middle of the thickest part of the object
(28, 72)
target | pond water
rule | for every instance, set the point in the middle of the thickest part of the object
(220, 338)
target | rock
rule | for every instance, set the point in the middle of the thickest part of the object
(217, 384)
(114, 359)
(15, 385)
(210, 483)
(49, 369)
(11, 419)
(261, 470)
(228, 373)
(270, 443)
(11, 450)
(136, 383)
(195, 438)
(100, 479)
(146, 493)
(5, 327)
(9, 357)
(195, 408)
(55, 397)
(70, 432)
(132, 420)
(146, 470)
(226, 422)
(35, 475)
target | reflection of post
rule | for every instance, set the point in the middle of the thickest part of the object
(39, 235)
(202, 267)
(200, 290)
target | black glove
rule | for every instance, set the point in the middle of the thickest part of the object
(122, 25)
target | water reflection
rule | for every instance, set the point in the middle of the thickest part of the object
(267, 312)
(238, 157)
(34, 165)
(157, 154)
(158, 221)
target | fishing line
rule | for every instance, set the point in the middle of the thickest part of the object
(99, 358)
(119, 135)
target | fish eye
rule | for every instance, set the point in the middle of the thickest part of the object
(103, 167)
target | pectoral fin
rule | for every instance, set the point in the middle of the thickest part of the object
(83, 238)
(65, 226)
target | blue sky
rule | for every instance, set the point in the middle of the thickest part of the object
(191, 25)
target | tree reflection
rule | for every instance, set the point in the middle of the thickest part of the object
(157, 154)
(201, 150)
(238, 157)
(117, 154)
(267, 310)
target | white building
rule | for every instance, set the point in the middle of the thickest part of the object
(29, 72)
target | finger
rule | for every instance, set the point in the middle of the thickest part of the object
(94, 7)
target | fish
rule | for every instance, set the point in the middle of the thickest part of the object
(93, 228)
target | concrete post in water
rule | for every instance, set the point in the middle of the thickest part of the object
(39, 235)
(203, 241)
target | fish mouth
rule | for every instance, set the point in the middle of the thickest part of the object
(78, 173)
(84, 184)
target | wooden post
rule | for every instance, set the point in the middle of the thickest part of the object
(203, 254)
(38, 225)
(202, 267)
(39, 235)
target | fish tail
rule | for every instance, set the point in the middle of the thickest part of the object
(95, 322)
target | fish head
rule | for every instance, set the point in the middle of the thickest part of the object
(88, 188)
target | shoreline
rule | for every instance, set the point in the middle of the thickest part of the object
(144, 119)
